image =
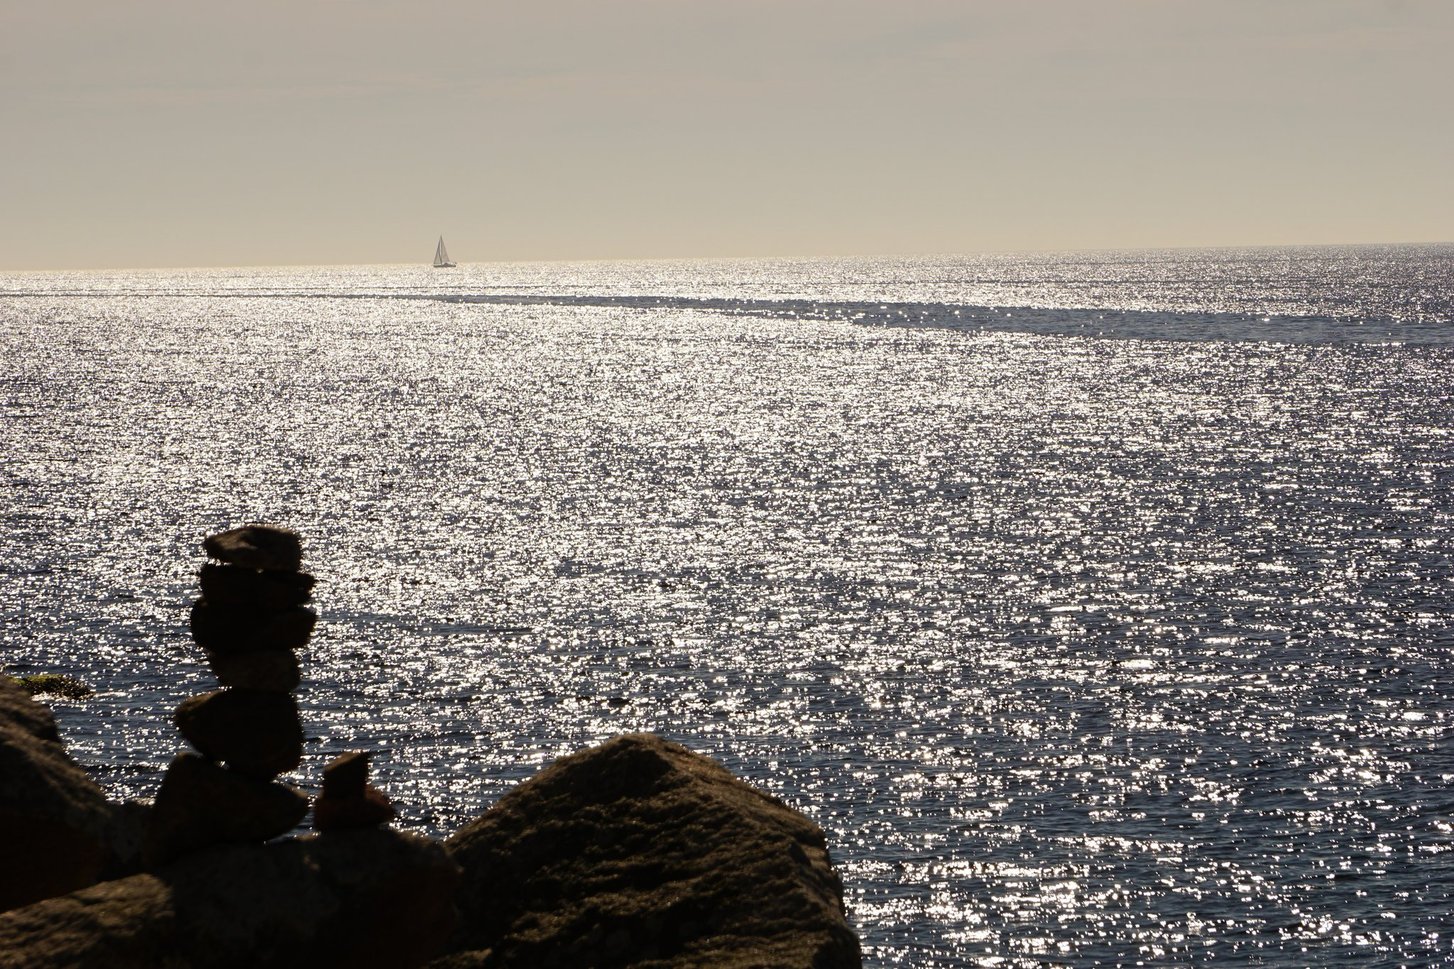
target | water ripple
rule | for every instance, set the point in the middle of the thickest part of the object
(1083, 651)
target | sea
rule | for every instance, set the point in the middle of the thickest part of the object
(1099, 606)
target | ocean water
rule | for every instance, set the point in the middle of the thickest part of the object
(1100, 607)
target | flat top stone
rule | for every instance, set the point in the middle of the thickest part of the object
(257, 547)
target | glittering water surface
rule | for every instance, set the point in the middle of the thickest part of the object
(1098, 606)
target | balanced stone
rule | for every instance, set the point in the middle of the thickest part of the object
(244, 629)
(200, 804)
(256, 732)
(347, 800)
(346, 775)
(267, 669)
(257, 547)
(234, 585)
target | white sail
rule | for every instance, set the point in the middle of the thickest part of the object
(441, 256)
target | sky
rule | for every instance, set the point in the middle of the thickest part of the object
(202, 133)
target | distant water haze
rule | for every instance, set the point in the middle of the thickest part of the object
(1097, 606)
(168, 134)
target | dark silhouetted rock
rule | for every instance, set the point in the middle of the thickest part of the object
(268, 669)
(346, 775)
(257, 547)
(233, 585)
(255, 732)
(54, 821)
(642, 853)
(246, 629)
(371, 899)
(202, 804)
(123, 924)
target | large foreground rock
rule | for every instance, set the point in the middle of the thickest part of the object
(640, 853)
(360, 899)
(54, 821)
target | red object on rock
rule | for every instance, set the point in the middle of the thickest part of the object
(347, 800)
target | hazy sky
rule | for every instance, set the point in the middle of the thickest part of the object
(355, 131)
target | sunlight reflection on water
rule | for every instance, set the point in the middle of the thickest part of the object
(1081, 650)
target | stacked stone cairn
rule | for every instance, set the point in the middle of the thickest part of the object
(250, 620)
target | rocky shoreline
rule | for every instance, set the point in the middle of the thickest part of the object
(636, 853)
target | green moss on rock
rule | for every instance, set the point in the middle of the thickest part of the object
(55, 684)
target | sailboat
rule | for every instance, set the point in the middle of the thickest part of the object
(441, 256)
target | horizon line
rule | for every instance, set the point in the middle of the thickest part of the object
(745, 258)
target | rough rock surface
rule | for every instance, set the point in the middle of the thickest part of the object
(362, 899)
(54, 821)
(256, 732)
(641, 853)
